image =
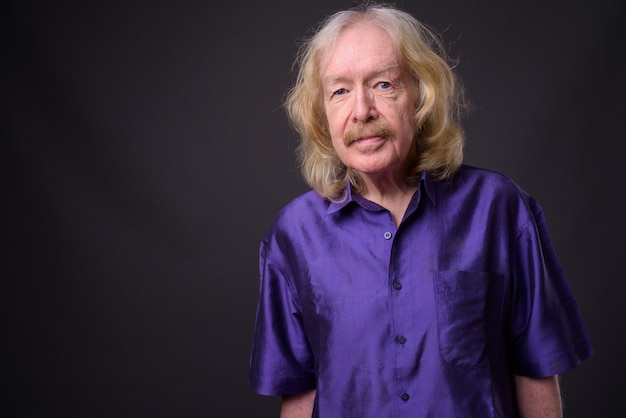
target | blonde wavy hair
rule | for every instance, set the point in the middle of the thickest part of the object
(439, 139)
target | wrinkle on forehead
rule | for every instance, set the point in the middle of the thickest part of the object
(385, 69)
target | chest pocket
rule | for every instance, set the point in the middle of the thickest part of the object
(469, 311)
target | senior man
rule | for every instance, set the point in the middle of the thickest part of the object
(405, 284)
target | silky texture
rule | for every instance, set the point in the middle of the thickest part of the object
(430, 319)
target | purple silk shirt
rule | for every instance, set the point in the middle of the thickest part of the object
(430, 319)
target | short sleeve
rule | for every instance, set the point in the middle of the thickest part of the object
(281, 361)
(548, 333)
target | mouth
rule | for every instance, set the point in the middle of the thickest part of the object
(368, 135)
(369, 139)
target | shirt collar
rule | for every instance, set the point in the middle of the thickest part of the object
(425, 183)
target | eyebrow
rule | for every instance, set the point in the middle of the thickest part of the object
(372, 74)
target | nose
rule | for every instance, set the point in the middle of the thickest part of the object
(364, 106)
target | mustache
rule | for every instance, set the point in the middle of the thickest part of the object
(377, 128)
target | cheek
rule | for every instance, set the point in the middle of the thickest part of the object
(407, 122)
(335, 125)
(337, 143)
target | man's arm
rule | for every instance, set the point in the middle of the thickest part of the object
(539, 397)
(298, 405)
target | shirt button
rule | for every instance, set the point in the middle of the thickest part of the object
(404, 397)
(400, 339)
(387, 235)
(397, 285)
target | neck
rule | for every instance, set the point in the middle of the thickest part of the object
(391, 194)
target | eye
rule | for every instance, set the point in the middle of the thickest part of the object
(340, 92)
(384, 85)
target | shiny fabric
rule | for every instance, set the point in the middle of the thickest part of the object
(431, 319)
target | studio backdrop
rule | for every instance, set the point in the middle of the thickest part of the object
(145, 153)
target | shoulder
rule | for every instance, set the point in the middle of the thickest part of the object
(300, 214)
(302, 209)
(479, 189)
(484, 184)
(487, 181)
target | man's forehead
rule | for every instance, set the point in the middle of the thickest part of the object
(391, 69)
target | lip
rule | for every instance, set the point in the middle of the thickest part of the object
(369, 140)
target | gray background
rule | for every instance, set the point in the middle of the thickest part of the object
(145, 153)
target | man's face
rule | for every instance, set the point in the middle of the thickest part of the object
(369, 101)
